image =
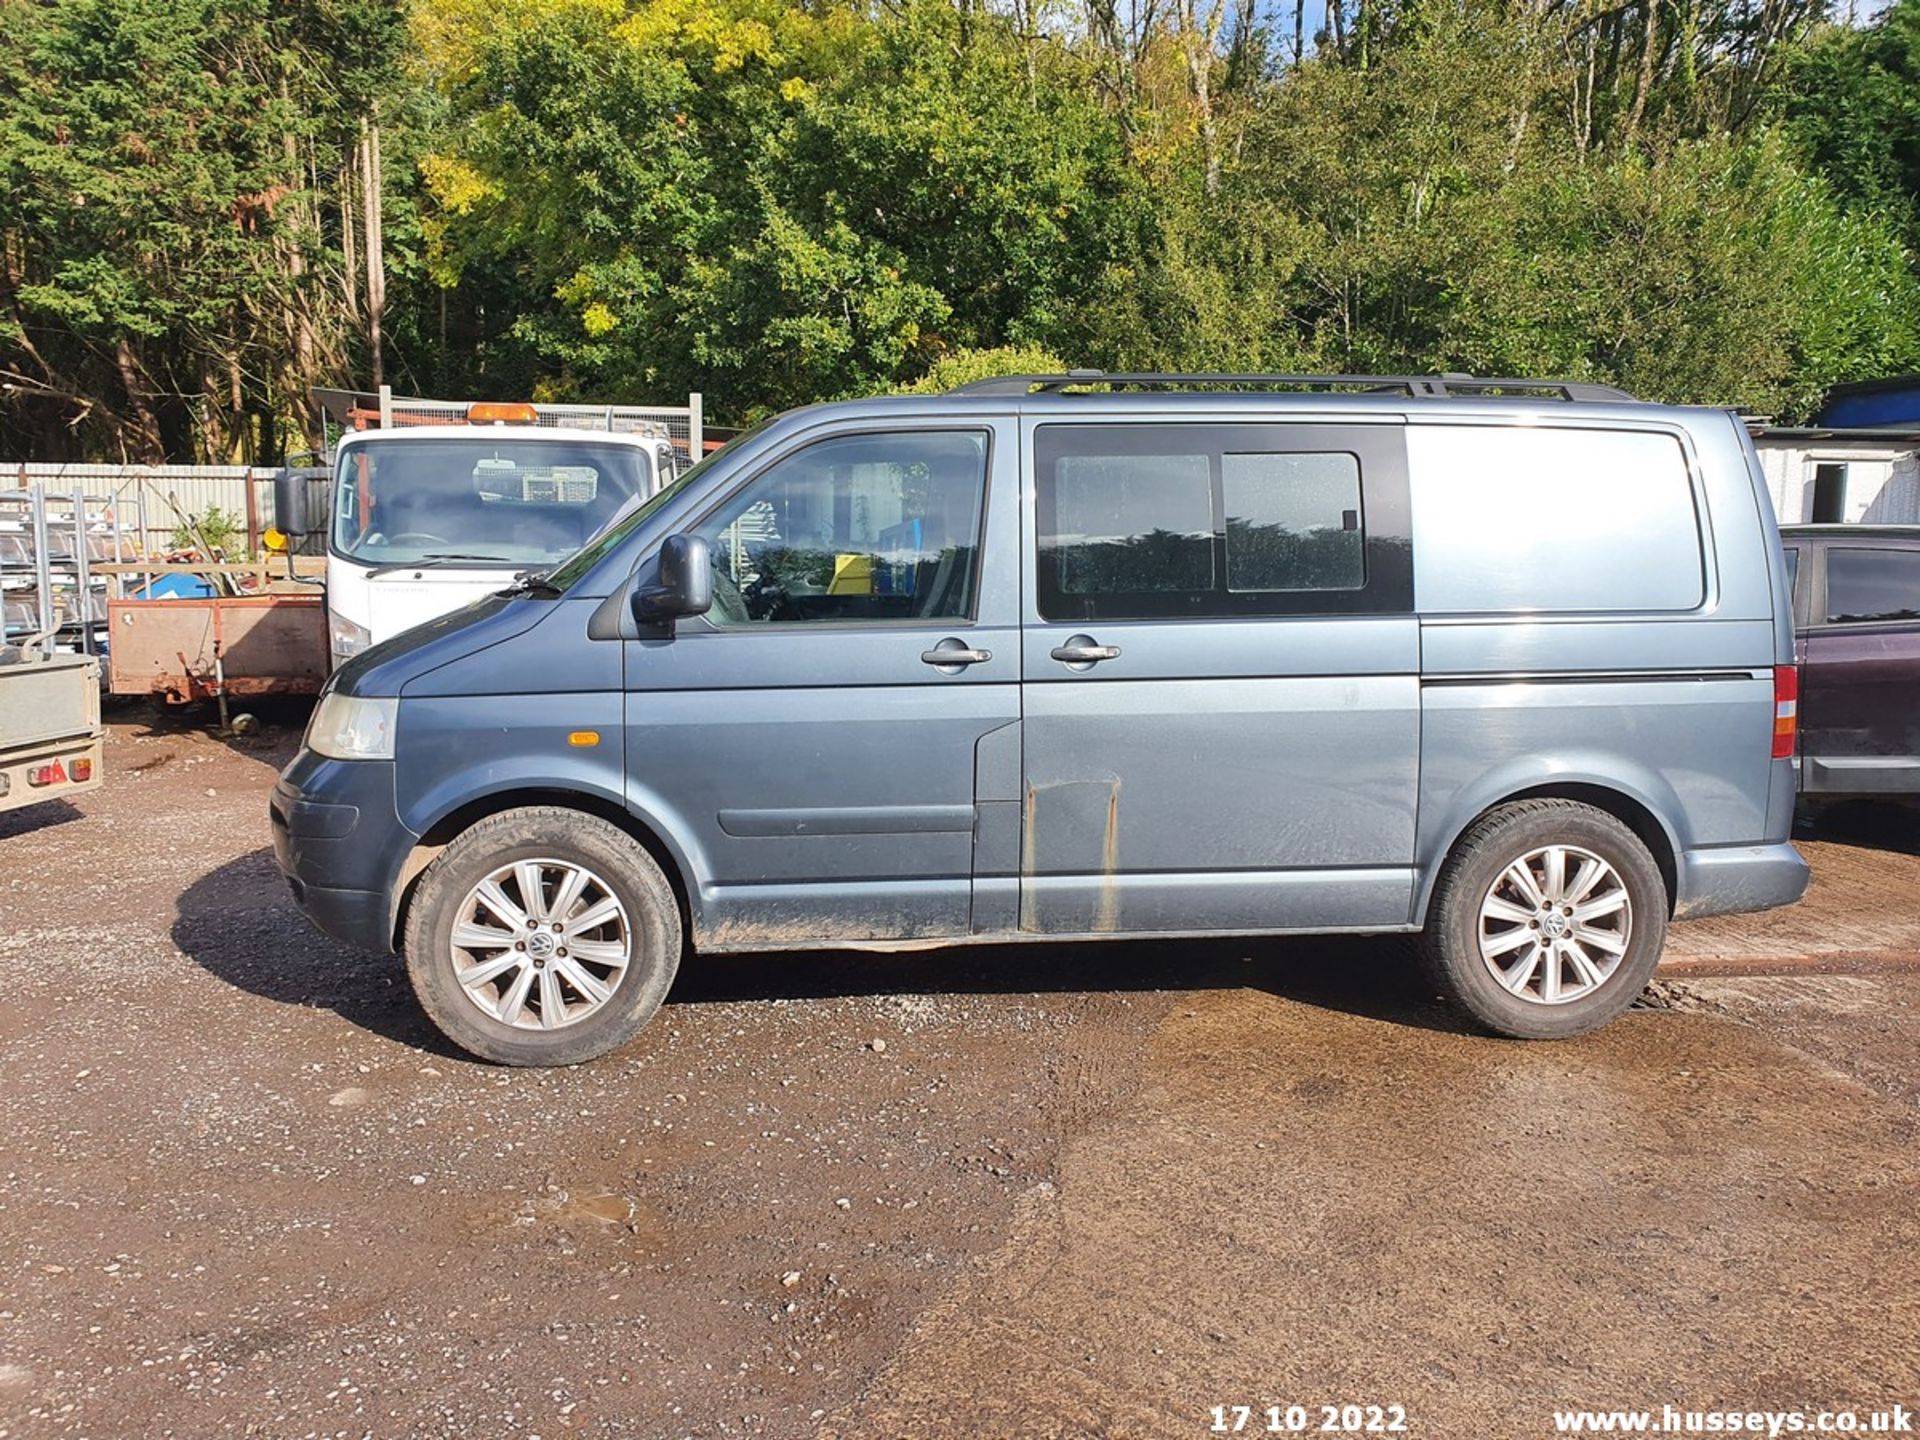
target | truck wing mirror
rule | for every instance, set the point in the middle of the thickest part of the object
(685, 584)
(290, 503)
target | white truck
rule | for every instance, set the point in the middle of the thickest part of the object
(449, 505)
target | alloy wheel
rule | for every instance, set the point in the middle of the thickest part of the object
(541, 944)
(1555, 925)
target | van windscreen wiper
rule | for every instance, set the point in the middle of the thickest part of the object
(533, 582)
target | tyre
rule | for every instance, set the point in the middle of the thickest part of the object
(1547, 920)
(542, 936)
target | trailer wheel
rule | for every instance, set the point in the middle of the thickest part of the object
(542, 936)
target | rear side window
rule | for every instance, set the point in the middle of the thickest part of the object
(1169, 521)
(1293, 522)
(1865, 584)
(1523, 518)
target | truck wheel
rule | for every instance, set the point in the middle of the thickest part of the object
(1547, 920)
(542, 936)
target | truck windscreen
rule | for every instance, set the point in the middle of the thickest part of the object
(480, 500)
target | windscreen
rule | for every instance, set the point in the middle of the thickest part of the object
(479, 501)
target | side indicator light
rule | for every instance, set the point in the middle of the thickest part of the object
(584, 737)
(1786, 710)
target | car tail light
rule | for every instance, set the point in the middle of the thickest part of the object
(81, 770)
(1786, 710)
(52, 773)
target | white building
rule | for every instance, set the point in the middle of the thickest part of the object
(1857, 476)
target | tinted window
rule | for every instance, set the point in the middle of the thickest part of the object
(1524, 518)
(1867, 584)
(1132, 524)
(1160, 521)
(1293, 522)
(866, 527)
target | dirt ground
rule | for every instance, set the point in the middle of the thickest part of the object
(1076, 1191)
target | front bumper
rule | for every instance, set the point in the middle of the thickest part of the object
(339, 841)
(1732, 879)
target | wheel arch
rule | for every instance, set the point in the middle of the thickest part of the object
(1629, 809)
(449, 826)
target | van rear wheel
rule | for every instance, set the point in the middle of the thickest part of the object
(1547, 921)
(542, 936)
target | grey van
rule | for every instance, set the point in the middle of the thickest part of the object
(1508, 663)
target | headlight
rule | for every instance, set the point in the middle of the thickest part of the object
(345, 638)
(353, 727)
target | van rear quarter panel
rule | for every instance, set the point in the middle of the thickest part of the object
(1671, 709)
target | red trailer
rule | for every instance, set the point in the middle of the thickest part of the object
(218, 648)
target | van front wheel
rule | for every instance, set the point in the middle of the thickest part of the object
(1547, 920)
(542, 936)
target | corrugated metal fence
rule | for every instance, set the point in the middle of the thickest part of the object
(142, 498)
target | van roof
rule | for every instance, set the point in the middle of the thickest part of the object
(1317, 398)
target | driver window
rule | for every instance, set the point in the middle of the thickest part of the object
(862, 528)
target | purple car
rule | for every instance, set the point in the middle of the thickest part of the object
(1856, 615)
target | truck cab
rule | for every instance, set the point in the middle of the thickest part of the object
(425, 519)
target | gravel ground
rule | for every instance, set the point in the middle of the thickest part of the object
(1073, 1191)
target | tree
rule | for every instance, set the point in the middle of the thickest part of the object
(1402, 218)
(168, 269)
(1854, 105)
(769, 203)
(962, 367)
(775, 202)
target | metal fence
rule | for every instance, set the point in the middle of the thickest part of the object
(144, 503)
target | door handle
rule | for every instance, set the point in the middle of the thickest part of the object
(951, 654)
(1081, 650)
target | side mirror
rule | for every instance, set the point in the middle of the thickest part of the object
(685, 585)
(290, 503)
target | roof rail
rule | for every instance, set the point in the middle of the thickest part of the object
(1419, 387)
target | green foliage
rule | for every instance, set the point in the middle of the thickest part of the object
(774, 203)
(1855, 108)
(166, 267)
(1422, 215)
(221, 529)
(964, 366)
